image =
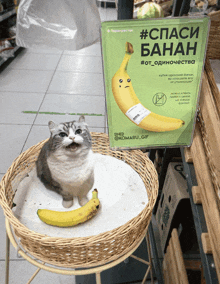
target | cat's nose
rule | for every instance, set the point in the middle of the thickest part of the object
(72, 137)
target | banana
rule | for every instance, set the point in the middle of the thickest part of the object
(130, 105)
(71, 218)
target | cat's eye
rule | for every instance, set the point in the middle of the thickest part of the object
(62, 134)
(129, 80)
(78, 131)
(120, 80)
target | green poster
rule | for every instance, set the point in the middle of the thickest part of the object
(152, 72)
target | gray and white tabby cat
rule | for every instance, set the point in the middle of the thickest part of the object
(65, 163)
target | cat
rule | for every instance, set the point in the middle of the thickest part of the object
(65, 163)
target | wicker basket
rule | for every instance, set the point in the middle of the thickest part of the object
(84, 251)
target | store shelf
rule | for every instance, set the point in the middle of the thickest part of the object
(7, 15)
(140, 2)
(106, 1)
(2, 60)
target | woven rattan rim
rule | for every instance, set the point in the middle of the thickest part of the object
(83, 251)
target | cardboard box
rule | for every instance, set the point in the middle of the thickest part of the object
(174, 209)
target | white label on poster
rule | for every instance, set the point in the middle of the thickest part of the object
(137, 113)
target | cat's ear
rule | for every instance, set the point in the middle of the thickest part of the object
(82, 118)
(52, 125)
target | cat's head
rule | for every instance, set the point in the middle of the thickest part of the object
(72, 136)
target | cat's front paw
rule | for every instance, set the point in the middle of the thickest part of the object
(67, 204)
(83, 201)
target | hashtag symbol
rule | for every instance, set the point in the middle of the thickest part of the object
(143, 34)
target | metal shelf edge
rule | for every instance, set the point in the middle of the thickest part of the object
(7, 15)
(2, 60)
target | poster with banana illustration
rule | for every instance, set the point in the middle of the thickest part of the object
(152, 72)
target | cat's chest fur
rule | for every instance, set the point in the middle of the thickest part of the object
(70, 170)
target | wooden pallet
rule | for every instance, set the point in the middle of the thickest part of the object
(175, 266)
(205, 194)
(213, 50)
(205, 155)
(212, 84)
(209, 125)
(174, 270)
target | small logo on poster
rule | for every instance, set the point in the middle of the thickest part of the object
(159, 99)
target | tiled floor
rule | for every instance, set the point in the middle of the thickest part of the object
(37, 83)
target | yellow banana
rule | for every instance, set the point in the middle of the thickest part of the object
(130, 105)
(71, 218)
